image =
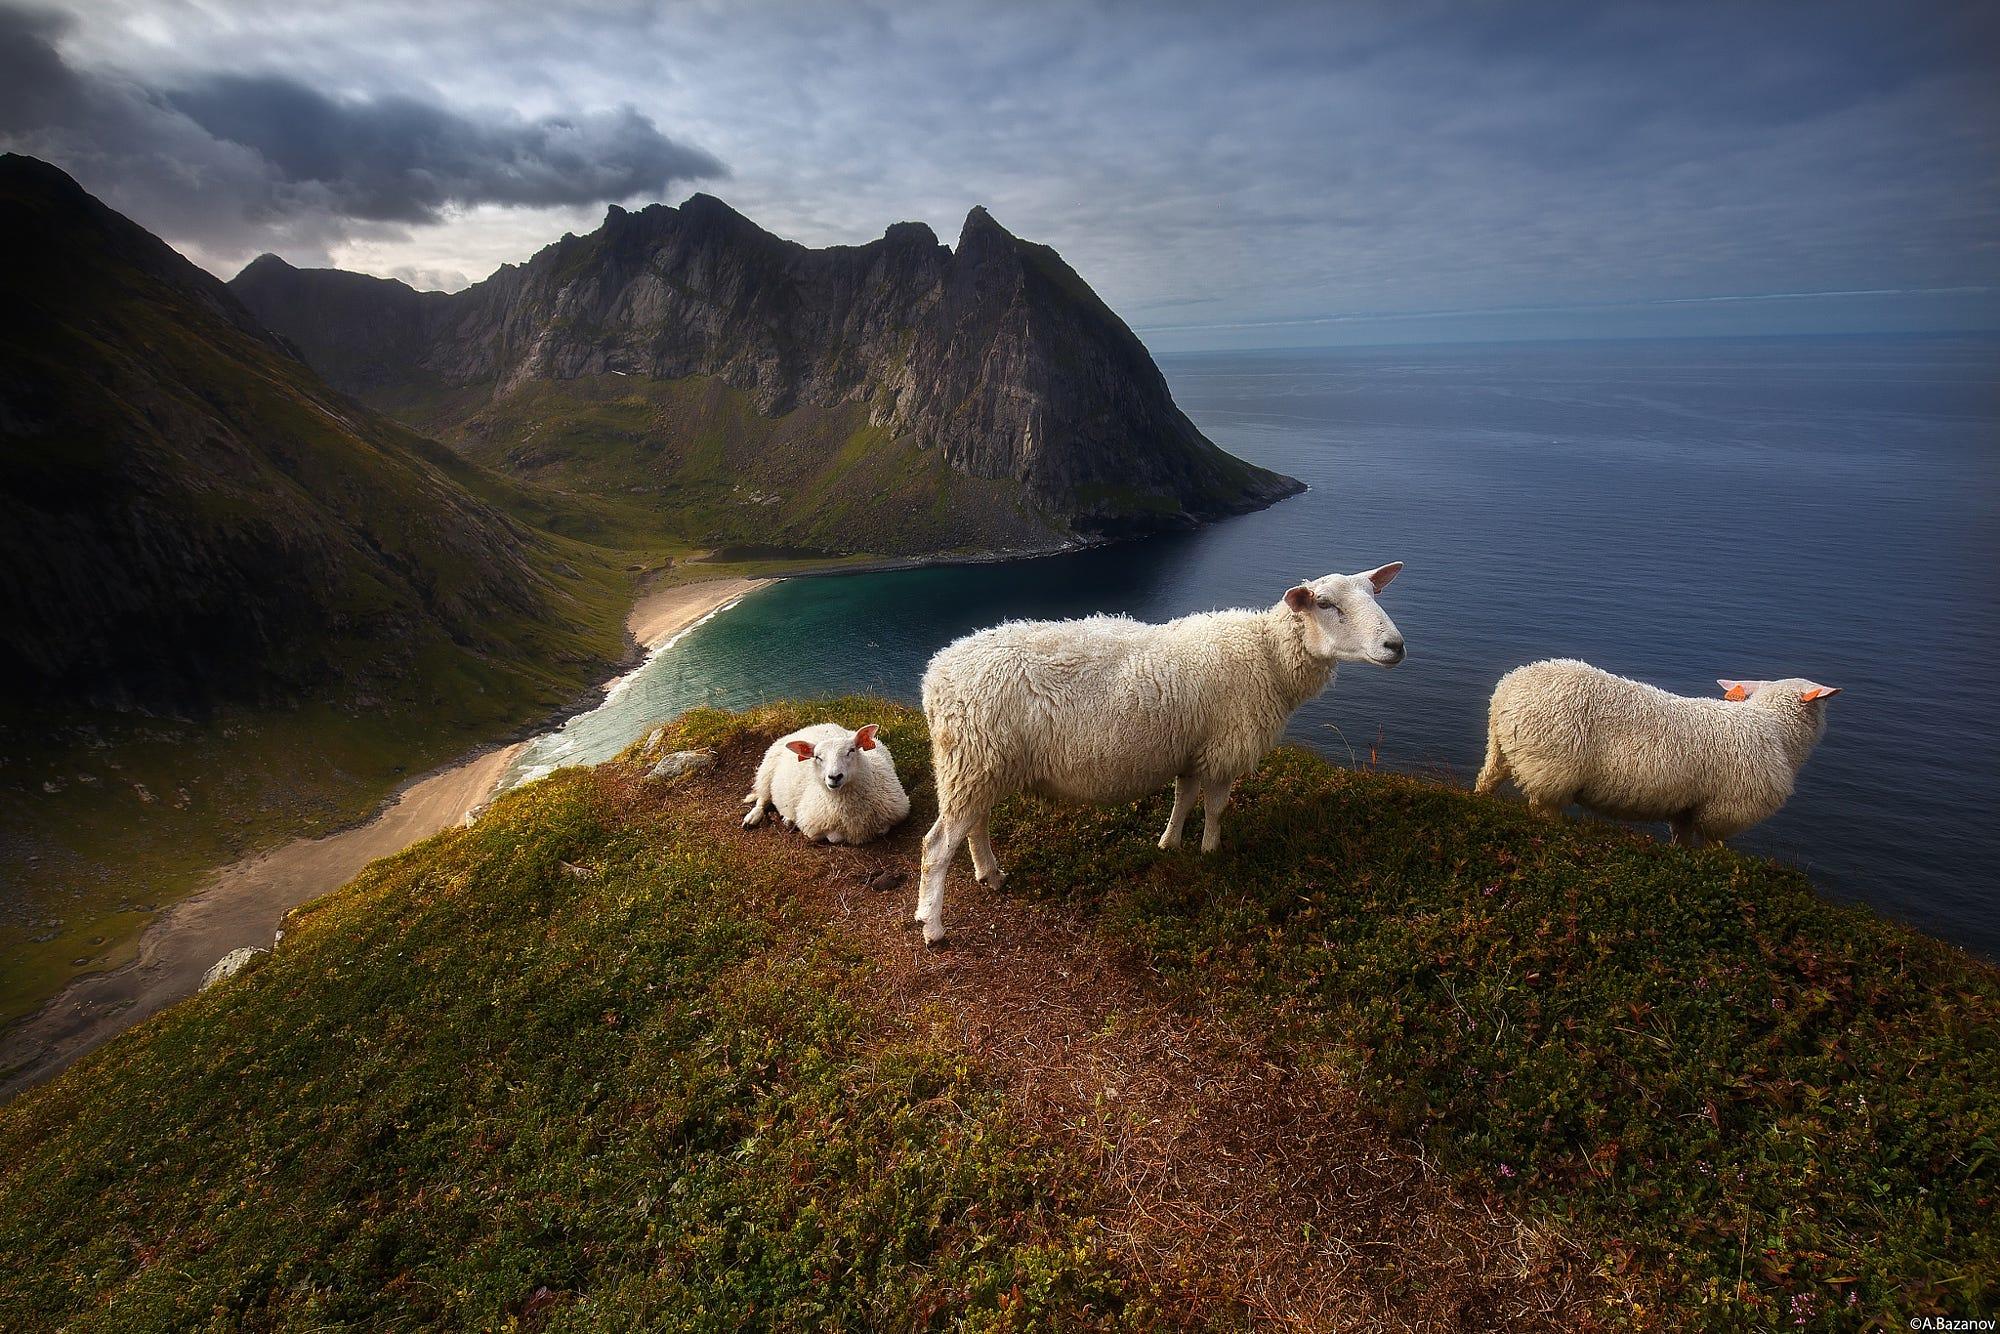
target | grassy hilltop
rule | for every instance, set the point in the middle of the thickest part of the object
(1397, 1057)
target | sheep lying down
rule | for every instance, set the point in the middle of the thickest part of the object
(830, 783)
(1566, 732)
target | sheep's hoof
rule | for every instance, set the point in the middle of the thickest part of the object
(935, 938)
(997, 879)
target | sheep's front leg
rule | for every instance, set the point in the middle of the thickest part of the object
(1214, 796)
(1184, 790)
(1685, 834)
(940, 846)
(985, 866)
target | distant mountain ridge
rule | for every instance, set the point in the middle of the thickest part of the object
(831, 381)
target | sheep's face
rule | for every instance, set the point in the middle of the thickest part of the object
(1341, 620)
(1794, 692)
(836, 761)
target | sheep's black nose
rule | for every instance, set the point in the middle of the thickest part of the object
(1395, 647)
(835, 780)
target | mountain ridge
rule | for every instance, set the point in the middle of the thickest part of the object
(189, 509)
(994, 356)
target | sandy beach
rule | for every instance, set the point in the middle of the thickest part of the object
(242, 903)
(661, 614)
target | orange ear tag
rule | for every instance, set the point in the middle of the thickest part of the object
(1736, 693)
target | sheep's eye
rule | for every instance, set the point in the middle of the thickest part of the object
(1326, 604)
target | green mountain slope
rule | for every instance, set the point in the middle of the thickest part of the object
(188, 516)
(606, 1060)
(232, 601)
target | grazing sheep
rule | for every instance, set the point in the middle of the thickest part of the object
(1108, 709)
(831, 784)
(1565, 732)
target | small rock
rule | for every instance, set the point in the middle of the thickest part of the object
(581, 872)
(653, 739)
(230, 964)
(886, 879)
(682, 762)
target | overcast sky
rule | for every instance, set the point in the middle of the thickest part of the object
(1236, 174)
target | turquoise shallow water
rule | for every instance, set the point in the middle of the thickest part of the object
(1676, 511)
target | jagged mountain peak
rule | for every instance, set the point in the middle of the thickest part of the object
(994, 356)
(979, 221)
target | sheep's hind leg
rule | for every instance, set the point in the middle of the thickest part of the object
(985, 866)
(1184, 792)
(940, 846)
(1494, 772)
(1549, 808)
(1214, 796)
(1685, 834)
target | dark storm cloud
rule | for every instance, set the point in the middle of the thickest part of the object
(396, 159)
(1261, 170)
(223, 161)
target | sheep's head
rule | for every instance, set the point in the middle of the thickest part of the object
(1792, 693)
(836, 759)
(1341, 620)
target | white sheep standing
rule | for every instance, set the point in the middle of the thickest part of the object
(1108, 709)
(1565, 732)
(830, 784)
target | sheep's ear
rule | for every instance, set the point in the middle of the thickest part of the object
(865, 738)
(802, 749)
(1739, 689)
(1299, 598)
(1381, 575)
(1815, 691)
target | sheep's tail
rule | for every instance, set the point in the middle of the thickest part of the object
(1494, 771)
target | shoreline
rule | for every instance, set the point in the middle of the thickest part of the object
(242, 902)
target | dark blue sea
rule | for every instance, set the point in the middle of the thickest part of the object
(1675, 511)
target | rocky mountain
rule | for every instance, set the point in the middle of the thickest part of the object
(189, 515)
(893, 396)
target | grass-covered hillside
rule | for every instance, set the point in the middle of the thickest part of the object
(1398, 1057)
(695, 461)
(234, 605)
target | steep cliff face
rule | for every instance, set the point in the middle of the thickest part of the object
(994, 357)
(188, 515)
